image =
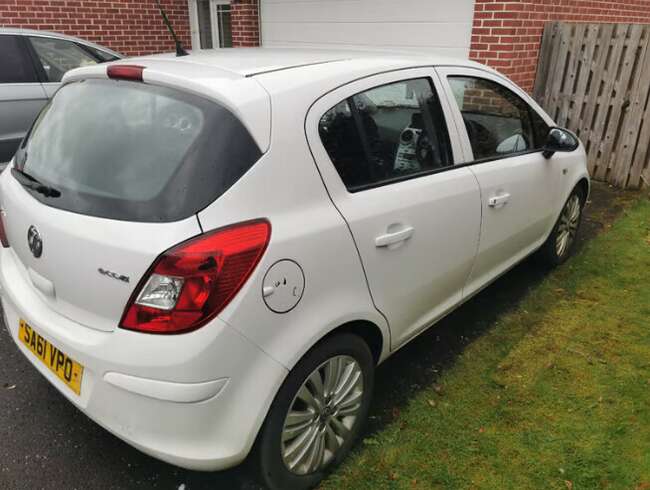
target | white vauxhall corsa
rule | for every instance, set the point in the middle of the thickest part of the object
(208, 255)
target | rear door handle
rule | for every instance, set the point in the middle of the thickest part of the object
(498, 201)
(394, 237)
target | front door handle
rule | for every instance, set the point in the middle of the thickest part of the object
(498, 201)
(394, 237)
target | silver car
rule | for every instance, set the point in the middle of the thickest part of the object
(32, 64)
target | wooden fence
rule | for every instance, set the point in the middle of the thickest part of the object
(595, 80)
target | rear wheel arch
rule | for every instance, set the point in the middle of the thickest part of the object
(266, 457)
(369, 328)
(368, 331)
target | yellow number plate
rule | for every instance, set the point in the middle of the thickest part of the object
(67, 369)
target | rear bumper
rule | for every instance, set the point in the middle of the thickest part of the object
(195, 400)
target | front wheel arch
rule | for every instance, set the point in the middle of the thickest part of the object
(548, 252)
(585, 187)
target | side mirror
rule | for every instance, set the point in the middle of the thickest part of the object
(559, 139)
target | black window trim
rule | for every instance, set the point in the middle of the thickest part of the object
(402, 178)
(441, 170)
(36, 61)
(89, 50)
(530, 110)
(356, 116)
(506, 156)
(453, 166)
(426, 173)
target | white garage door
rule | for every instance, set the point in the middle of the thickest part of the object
(443, 26)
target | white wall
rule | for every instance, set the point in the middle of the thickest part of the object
(441, 25)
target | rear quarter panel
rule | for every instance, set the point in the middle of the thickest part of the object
(285, 187)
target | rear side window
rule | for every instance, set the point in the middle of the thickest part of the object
(386, 134)
(136, 152)
(58, 56)
(102, 56)
(498, 121)
(15, 64)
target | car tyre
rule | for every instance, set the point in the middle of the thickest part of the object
(317, 414)
(560, 243)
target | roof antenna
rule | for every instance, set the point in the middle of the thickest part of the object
(180, 51)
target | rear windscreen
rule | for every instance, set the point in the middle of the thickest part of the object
(132, 151)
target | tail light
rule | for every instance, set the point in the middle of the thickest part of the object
(3, 233)
(191, 283)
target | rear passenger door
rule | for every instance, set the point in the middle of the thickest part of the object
(385, 153)
(504, 135)
(21, 94)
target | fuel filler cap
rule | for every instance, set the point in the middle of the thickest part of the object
(283, 286)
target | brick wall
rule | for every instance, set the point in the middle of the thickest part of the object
(245, 23)
(507, 34)
(131, 27)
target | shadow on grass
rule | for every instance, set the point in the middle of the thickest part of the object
(419, 363)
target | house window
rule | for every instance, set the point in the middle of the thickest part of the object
(214, 24)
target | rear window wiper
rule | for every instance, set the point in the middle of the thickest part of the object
(34, 184)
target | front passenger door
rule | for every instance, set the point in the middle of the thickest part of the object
(504, 134)
(388, 161)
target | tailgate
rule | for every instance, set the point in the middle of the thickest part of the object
(89, 266)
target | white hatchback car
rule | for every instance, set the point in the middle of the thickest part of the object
(211, 254)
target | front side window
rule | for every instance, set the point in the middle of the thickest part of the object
(386, 134)
(133, 151)
(498, 121)
(58, 56)
(15, 65)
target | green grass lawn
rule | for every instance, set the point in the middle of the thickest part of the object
(554, 394)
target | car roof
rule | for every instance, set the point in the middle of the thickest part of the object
(15, 31)
(248, 62)
(244, 79)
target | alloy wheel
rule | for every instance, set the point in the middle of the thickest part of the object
(568, 225)
(322, 414)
